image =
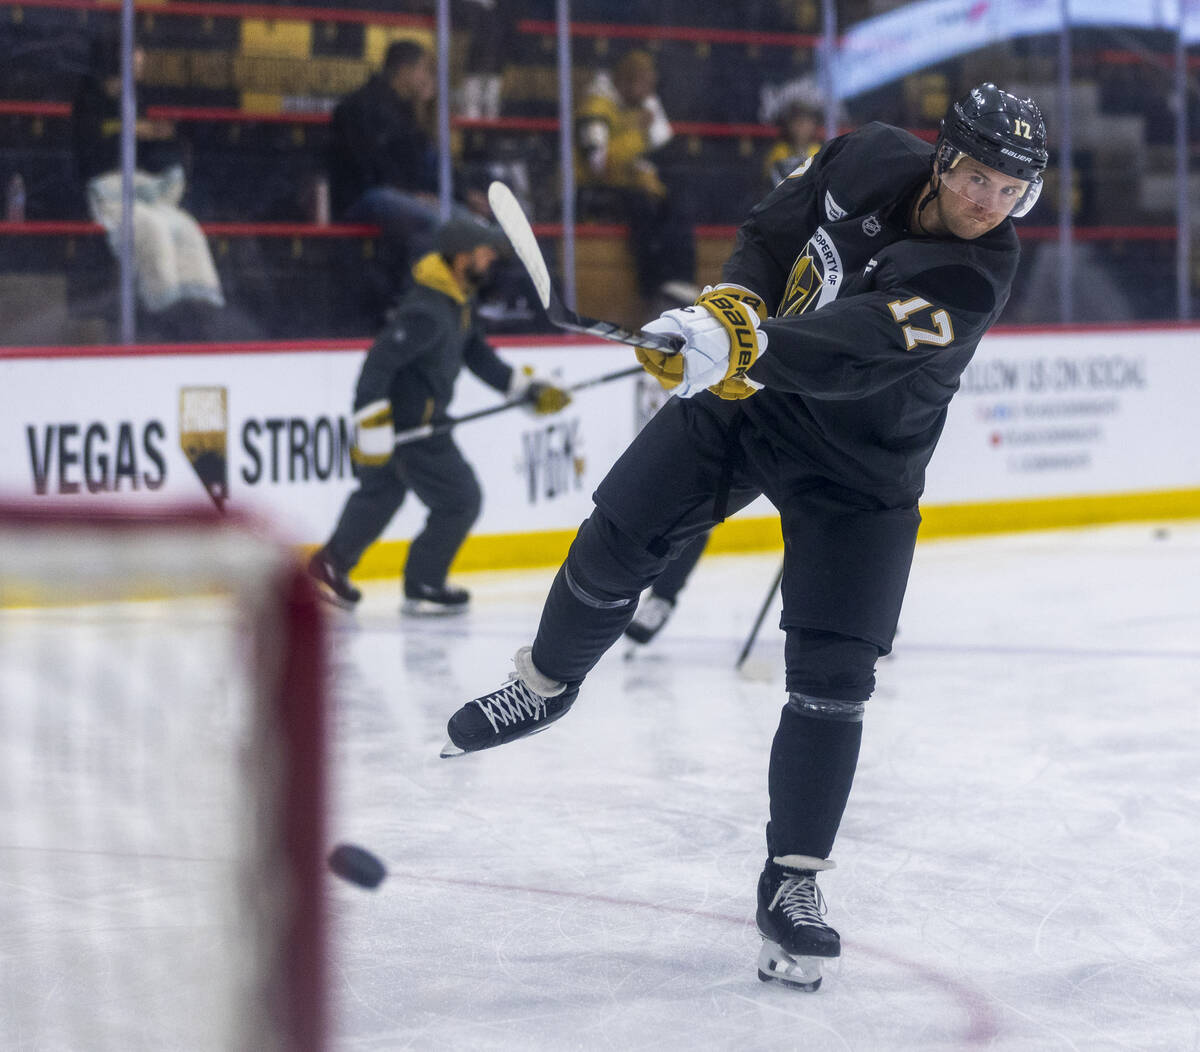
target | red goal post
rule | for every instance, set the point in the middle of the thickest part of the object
(162, 784)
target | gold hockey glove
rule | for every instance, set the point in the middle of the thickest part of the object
(736, 387)
(374, 435)
(546, 398)
(664, 366)
(721, 341)
(540, 397)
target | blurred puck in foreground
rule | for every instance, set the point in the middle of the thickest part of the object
(357, 865)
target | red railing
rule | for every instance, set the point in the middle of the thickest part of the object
(83, 228)
(267, 12)
(693, 34)
(550, 231)
(702, 129)
(527, 26)
(706, 129)
(533, 27)
(1118, 57)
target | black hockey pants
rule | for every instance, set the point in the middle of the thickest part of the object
(845, 567)
(435, 470)
(846, 560)
(671, 581)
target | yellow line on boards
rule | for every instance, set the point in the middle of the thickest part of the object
(504, 551)
(956, 520)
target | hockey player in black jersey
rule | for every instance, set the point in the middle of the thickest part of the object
(818, 373)
(407, 381)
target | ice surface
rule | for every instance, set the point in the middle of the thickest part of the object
(1019, 866)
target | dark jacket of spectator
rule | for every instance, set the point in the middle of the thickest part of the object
(96, 128)
(376, 139)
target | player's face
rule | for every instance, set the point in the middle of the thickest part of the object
(637, 85)
(974, 199)
(419, 81)
(801, 128)
(483, 258)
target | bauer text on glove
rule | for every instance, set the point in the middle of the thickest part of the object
(721, 341)
(733, 388)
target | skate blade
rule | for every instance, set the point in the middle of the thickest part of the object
(775, 963)
(450, 750)
(422, 608)
(335, 600)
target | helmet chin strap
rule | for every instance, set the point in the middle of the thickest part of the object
(928, 198)
(938, 165)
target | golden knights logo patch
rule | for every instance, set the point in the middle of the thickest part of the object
(814, 278)
(800, 284)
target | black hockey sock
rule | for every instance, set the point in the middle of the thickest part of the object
(579, 623)
(592, 600)
(812, 768)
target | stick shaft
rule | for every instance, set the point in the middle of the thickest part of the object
(762, 613)
(429, 430)
(560, 315)
(515, 224)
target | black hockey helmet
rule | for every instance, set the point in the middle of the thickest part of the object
(1000, 130)
(461, 233)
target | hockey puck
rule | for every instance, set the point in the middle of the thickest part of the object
(357, 865)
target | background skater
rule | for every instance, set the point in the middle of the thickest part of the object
(407, 380)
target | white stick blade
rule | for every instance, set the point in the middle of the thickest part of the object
(511, 217)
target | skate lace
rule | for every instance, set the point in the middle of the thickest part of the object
(800, 900)
(511, 704)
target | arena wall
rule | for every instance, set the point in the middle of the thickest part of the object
(1051, 428)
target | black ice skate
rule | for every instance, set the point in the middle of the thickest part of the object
(652, 614)
(427, 600)
(334, 585)
(790, 910)
(529, 702)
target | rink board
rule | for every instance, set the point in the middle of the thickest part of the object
(1050, 428)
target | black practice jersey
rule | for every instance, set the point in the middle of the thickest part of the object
(872, 325)
(432, 332)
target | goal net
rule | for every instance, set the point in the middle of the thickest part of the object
(161, 786)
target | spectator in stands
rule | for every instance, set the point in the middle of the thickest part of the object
(800, 119)
(177, 284)
(383, 165)
(382, 158)
(487, 26)
(620, 125)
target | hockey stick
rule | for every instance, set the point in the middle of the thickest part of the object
(426, 430)
(509, 214)
(762, 613)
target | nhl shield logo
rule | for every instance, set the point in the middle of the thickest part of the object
(871, 225)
